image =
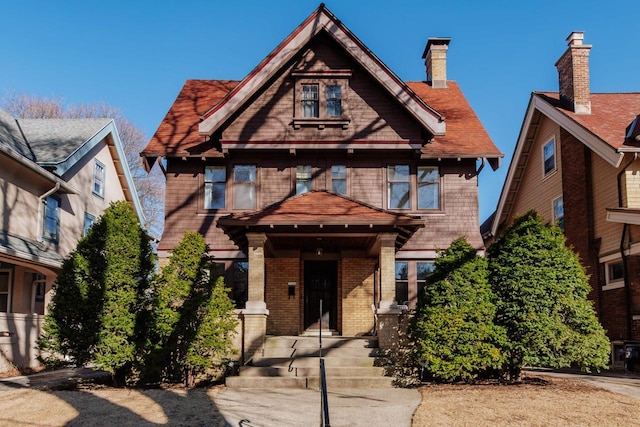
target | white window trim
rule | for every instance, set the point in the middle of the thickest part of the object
(104, 179)
(555, 157)
(618, 283)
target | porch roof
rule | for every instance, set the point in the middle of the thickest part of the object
(320, 212)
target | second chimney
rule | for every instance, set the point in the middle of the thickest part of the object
(435, 56)
(573, 75)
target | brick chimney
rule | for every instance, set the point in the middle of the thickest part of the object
(435, 56)
(573, 75)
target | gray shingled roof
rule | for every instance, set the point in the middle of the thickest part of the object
(11, 138)
(12, 244)
(54, 140)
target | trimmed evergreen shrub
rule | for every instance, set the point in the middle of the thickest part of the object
(541, 290)
(192, 319)
(99, 296)
(453, 331)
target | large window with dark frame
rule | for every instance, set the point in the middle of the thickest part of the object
(303, 179)
(5, 290)
(215, 181)
(339, 179)
(428, 187)
(398, 187)
(240, 282)
(244, 180)
(402, 282)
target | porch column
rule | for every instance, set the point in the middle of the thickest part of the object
(388, 312)
(255, 314)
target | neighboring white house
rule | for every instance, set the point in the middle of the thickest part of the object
(56, 177)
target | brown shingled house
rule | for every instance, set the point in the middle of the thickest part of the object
(323, 175)
(576, 163)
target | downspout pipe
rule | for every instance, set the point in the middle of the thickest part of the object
(40, 202)
(625, 269)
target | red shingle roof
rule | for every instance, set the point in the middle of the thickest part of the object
(610, 118)
(178, 132)
(319, 207)
(465, 136)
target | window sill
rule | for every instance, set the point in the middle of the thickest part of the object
(321, 123)
(614, 285)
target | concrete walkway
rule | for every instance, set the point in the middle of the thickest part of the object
(627, 384)
(301, 407)
(274, 407)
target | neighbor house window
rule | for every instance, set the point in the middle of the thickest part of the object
(89, 220)
(402, 282)
(558, 212)
(5, 290)
(244, 196)
(614, 275)
(51, 219)
(549, 157)
(398, 187)
(215, 180)
(334, 100)
(428, 187)
(98, 179)
(303, 179)
(339, 179)
(310, 101)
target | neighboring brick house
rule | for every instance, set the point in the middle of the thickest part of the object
(575, 162)
(322, 175)
(56, 177)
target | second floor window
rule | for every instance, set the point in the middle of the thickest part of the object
(303, 179)
(428, 187)
(398, 187)
(549, 157)
(51, 219)
(98, 179)
(244, 180)
(339, 179)
(215, 180)
(310, 101)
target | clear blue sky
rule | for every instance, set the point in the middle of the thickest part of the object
(136, 55)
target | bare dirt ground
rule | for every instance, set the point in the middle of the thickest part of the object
(540, 401)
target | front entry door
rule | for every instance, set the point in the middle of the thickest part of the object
(320, 282)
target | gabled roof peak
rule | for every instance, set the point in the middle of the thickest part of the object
(321, 20)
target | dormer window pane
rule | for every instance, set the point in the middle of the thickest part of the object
(310, 100)
(334, 100)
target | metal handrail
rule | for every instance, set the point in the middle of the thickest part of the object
(324, 402)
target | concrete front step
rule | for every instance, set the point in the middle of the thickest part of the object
(308, 382)
(326, 352)
(271, 371)
(313, 342)
(312, 362)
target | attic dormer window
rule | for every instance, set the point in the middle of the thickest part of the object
(310, 101)
(320, 99)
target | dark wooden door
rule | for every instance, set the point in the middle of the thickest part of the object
(320, 283)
